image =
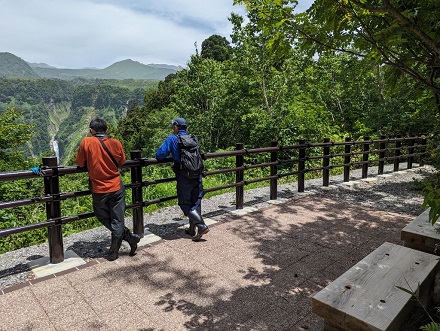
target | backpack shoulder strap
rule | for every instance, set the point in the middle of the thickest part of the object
(108, 152)
(179, 139)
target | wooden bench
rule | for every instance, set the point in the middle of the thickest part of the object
(366, 297)
(421, 234)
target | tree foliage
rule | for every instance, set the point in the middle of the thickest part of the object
(270, 88)
(13, 133)
(402, 34)
(144, 126)
(217, 48)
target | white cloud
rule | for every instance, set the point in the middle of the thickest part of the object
(97, 33)
(76, 34)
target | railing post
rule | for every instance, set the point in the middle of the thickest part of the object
(326, 163)
(347, 157)
(397, 154)
(53, 210)
(422, 150)
(136, 194)
(301, 165)
(274, 172)
(410, 154)
(382, 147)
(365, 155)
(239, 177)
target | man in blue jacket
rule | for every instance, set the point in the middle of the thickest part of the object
(189, 190)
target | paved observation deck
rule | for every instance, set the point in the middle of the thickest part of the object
(256, 270)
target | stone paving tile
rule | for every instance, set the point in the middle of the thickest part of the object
(92, 287)
(310, 322)
(69, 315)
(29, 324)
(107, 300)
(185, 302)
(20, 310)
(53, 300)
(50, 285)
(238, 309)
(126, 316)
(280, 314)
(84, 275)
(95, 324)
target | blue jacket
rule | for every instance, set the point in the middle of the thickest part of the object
(170, 146)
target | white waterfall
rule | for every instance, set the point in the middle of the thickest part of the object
(55, 149)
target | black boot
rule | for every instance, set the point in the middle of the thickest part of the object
(132, 240)
(199, 224)
(114, 248)
(191, 231)
(201, 230)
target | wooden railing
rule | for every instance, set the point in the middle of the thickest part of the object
(282, 161)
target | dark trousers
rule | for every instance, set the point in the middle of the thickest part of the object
(189, 193)
(109, 209)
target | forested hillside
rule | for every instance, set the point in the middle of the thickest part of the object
(12, 66)
(61, 110)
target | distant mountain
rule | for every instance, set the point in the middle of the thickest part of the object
(40, 65)
(13, 66)
(133, 69)
(165, 66)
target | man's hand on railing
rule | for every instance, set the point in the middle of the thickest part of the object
(37, 171)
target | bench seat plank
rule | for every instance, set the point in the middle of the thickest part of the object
(366, 298)
(421, 234)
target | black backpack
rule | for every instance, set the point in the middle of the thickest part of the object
(191, 163)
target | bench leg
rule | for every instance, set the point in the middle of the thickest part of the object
(426, 292)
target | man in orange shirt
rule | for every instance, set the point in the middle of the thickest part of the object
(102, 155)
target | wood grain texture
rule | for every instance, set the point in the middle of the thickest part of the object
(421, 234)
(366, 298)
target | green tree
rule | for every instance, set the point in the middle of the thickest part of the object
(200, 96)
(144, 127)
(13, 134)
(402, 34)
(216, 47)
(273, 84)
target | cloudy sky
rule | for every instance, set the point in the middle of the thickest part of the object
(97, 33)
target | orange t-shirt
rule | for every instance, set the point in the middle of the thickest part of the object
(103, 173)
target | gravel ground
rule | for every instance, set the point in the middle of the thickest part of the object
(393, 193)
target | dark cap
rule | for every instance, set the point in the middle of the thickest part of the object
(180, 122)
